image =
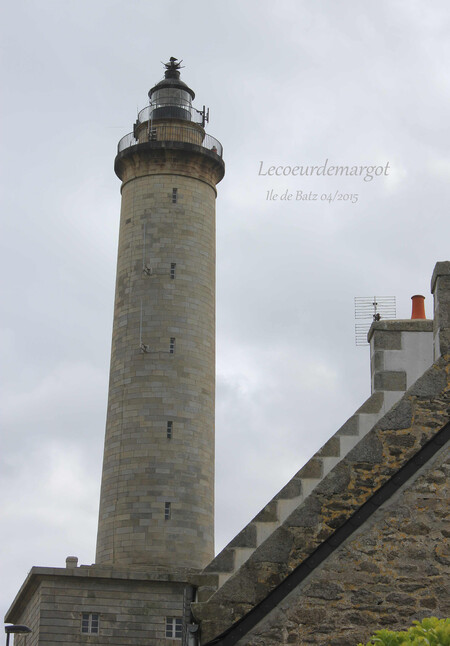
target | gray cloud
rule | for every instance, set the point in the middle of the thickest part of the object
(294, 83)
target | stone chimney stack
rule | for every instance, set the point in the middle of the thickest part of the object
(440, 288)
(400, 352)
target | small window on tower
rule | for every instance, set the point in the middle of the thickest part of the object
(172, 345)
(174, 195)
(169, 430)
(172, 270)
(174, 627)
(167, 515)
(89, 623)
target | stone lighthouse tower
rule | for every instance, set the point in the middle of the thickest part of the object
(157, 494)
(155, 530)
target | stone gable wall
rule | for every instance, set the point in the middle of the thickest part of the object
(395, 569)
(394, 440)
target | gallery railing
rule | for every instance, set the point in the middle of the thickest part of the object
(169, 132)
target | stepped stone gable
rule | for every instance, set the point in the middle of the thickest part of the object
(391, 572)
(377, 457)
(401, 351)
(290, 496)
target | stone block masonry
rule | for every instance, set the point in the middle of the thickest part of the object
(157, 498)
(400, 352)
(395, 439)
(392, 571)
(132, 609)
(440, 287)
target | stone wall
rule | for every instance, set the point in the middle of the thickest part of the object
(400, 352)
(395, 569)
(440, 287)
(30, 616)
(132, 611)
(377, 458)
(157, 494)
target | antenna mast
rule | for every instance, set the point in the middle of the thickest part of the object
(373, 307)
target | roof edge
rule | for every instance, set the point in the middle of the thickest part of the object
(37, 574)
(232, 635)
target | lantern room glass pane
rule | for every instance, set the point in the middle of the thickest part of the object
(172, 103)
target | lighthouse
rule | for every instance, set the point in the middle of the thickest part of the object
(157, 492)
(156, 517)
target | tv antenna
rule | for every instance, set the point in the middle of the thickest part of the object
(374, 308)
(204, 115)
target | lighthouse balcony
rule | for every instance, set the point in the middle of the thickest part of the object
(171, 132)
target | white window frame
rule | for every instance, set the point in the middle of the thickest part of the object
(174, 627)
(92, 627)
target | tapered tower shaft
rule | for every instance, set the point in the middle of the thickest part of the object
(157, 495)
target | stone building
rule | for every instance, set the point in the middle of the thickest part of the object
(358, 539)
(355, 541)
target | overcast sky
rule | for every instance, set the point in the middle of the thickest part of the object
(288, 83)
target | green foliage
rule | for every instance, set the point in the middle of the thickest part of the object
(430, 632)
